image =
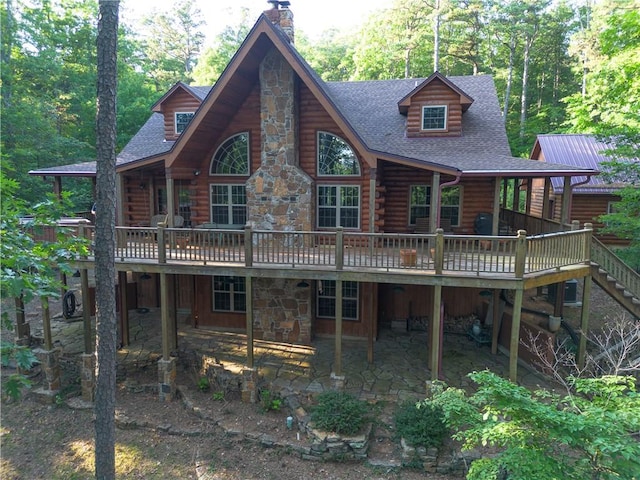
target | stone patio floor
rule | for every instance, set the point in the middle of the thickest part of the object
(398, 372)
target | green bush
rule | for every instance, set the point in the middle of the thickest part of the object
(339, 412)
(269, 401)
(421, 424)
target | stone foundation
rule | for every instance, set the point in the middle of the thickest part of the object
(282, 311)
(167, 379)
(49, 362)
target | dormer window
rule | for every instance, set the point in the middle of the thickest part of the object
(434, 117)
(182, 119)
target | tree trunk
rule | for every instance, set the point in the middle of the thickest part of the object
(436, 37)
(507, 91)
(525, 81)
(105, 240)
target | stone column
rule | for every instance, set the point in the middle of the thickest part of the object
(51, 368)
(249, 385)
(167, 379)
(88, 376)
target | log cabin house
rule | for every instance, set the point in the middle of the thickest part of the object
(305, 206)
(590, 197)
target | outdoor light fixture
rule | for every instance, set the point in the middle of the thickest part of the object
(76, 273)
(303, 284)
(196, 172)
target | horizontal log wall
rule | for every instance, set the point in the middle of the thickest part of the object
(180, 101)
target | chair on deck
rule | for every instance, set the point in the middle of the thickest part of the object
(156, 220)
(422, 225)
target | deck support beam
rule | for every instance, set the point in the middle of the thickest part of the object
(436, 333)
(584, 320)
(515, 335)
(337, 369)
(86, 312)
(565, 214)
(249, 320)
(546, 200)
(124, 310)
(496, 206)
(164, 315)
(435, 202)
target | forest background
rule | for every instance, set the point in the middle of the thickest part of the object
(569, 66)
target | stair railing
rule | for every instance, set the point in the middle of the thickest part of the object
(616, 268)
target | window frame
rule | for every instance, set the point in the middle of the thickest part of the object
(346, 284)
(427, 207)
(318, 162)
(338, 207)
(230, 292)
(223, 145)
(230, 205)
(184, 125)
(458, 206)
(445, 118)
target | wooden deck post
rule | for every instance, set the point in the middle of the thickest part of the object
(565, 214)
(436, 332)
(496, 313)
(439, 257)
(515, 335)
(584, 321)
(173, 312)
(249, 319)
(338, 356)
(496, 207)
(248, 246)
(124, 311)
(46, 324)
(339, 248)
(435, 202)
(164, 315)
(86, 311)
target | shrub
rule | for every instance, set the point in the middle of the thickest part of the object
(421, 424)
(269, 401)
(339, 412)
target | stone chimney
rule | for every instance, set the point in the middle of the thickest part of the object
(280, 15)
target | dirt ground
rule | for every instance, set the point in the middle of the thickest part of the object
(205, 438)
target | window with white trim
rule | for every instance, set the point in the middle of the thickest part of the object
(232, 156)
(450, 203)
(228, 204)
(327, 299)
(419, 202)
(182, 119)
(229, 294)
(336, 157)
(339, 206)
(434, 117)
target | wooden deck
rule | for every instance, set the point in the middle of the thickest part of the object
(507, 257)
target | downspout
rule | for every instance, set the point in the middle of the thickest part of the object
(442, 186)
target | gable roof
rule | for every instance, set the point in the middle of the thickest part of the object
(465, 100)
(579, 150)
(197, 92)
(366, 112)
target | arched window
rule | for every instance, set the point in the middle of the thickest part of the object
(335, 156)
(232, 157)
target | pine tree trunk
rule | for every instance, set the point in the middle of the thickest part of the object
(105, 270)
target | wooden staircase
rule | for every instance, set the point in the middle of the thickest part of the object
(620, 281)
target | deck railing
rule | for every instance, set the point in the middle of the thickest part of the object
(511, 256)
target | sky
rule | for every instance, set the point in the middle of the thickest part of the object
(310, 16)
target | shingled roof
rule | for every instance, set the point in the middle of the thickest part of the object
(368, 111)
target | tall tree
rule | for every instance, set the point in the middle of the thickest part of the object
(173, 44)
(107, 44)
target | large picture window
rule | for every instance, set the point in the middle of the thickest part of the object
(228, 204)
(182, 119)
(419, 202)
(232, 157)
(335, 156)
(434, 117)
(327, 299)
(338, 206)
(229, 294)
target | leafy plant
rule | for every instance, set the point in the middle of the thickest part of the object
(24, 359)
(203, 384)
(585, 434)
(218, 396)
(269, 401)
(421, 424)
(339, 412)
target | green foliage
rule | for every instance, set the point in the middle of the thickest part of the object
(269, 401)
(339, 412)
(218, 396)
(24, 359)
(203, 384)
(421, 424)
(586, 434)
